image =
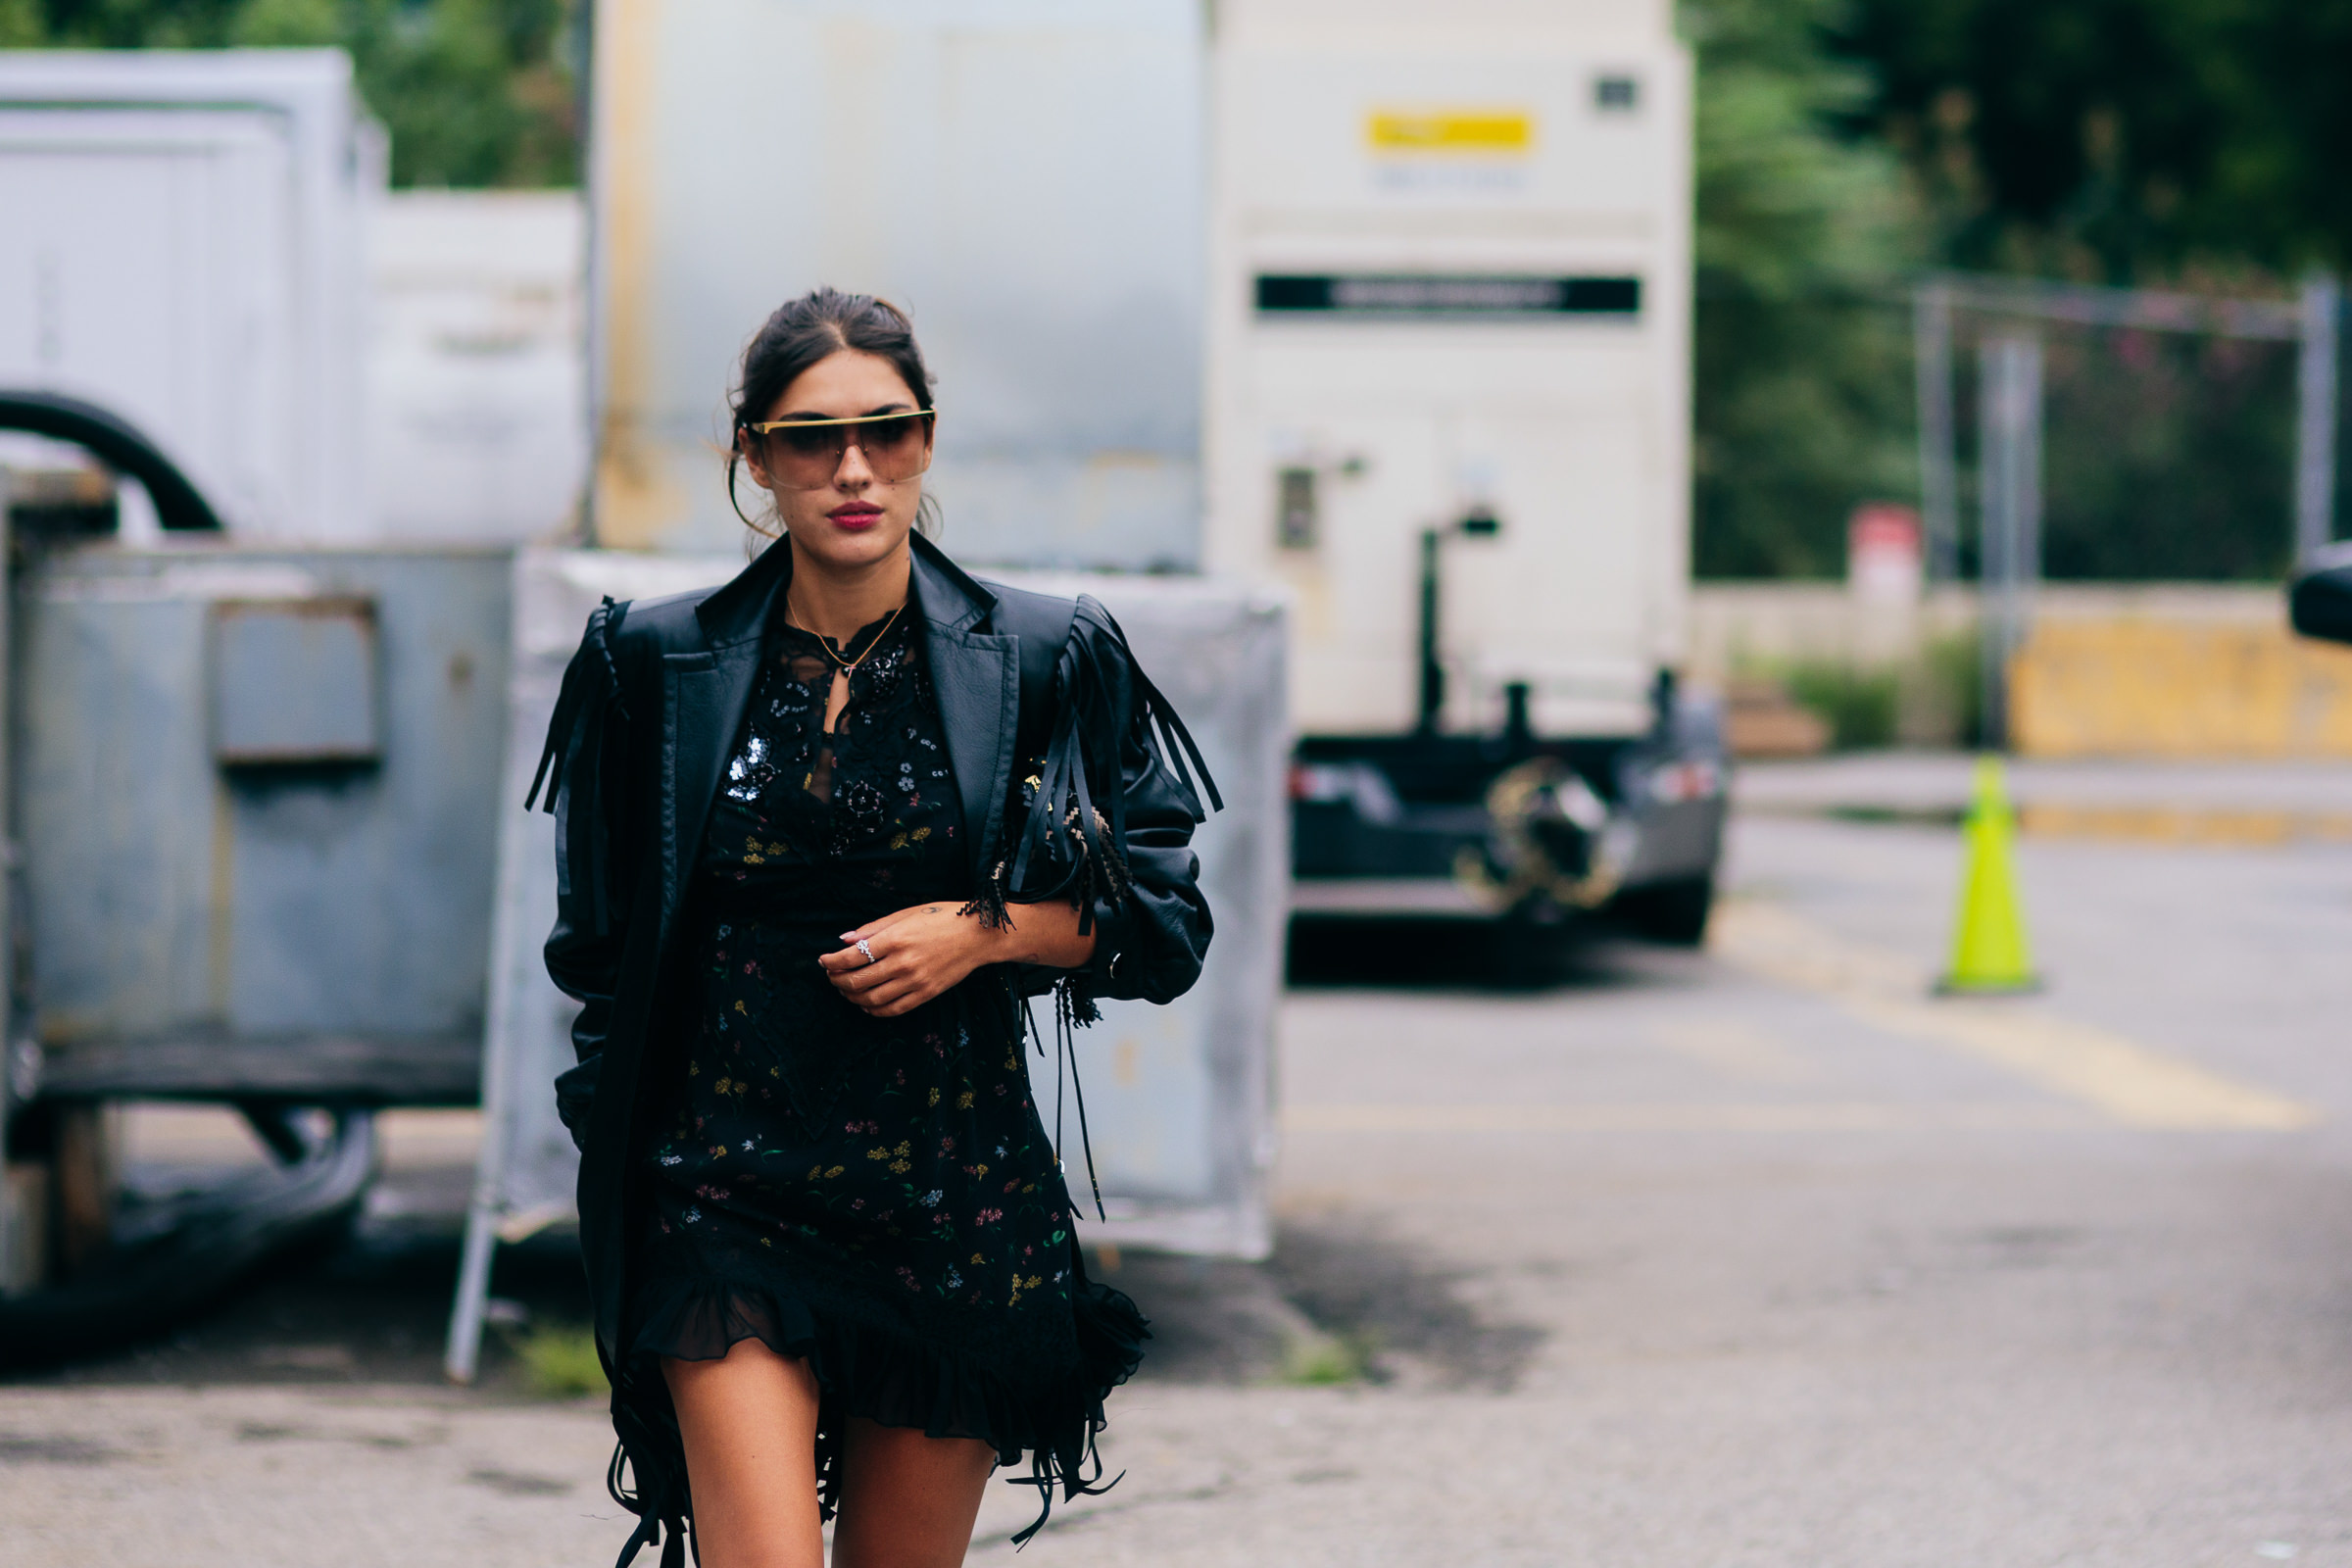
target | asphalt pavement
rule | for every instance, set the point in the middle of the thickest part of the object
(1760, 1255)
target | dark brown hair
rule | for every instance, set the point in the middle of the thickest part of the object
(818, 325)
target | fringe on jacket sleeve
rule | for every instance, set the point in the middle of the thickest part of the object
(582, 779)
(1117, 746)
(573, 781)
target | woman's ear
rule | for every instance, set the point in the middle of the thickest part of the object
(748, 452)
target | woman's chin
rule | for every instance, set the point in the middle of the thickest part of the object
(831, 544)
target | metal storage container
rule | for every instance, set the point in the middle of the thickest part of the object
(182, 246)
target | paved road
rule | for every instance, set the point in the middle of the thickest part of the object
(2318, 792)
(1749, 1258)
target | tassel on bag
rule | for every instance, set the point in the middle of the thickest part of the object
(1069, 846)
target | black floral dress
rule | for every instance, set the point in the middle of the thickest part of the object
(875, 1195)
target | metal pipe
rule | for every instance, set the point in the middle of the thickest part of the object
(2315, 419)
(2088, 305)
(9, 829)
(2009, 456)
(1938, 483)
(463, 1357)
(1518, 727)
(1433, 673)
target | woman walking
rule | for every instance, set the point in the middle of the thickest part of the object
(820, 834)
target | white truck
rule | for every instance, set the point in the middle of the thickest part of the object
(1383, 301)
(181, 246)
(1449, 406)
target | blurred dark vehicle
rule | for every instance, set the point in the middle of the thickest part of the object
(2320, 599)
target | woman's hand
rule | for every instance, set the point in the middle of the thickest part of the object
(923, 951)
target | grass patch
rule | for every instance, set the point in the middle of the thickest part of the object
(1935, 697)
(1325, 1360)
(1858, 705)
(559, 1359)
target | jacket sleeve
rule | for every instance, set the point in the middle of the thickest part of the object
(1109, 823)
(584, 770)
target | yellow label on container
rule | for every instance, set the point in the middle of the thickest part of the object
(1486, 132)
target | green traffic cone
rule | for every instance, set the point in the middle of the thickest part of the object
(1988, 949)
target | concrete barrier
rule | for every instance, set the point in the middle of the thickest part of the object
(2146, 686)
(2186, 670)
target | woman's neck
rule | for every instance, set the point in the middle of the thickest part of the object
(836, 603)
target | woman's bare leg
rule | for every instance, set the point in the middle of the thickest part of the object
(906, 1500)
(750, 1425)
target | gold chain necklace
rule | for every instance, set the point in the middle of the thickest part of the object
(824, 645)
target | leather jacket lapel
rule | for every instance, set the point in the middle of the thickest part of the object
(978, 678)
(702, 706)
(703, 701)
(976, 675)
(978, 681)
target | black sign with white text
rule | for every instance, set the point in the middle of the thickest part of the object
(1405, 294)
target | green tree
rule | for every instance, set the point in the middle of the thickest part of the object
(2204, 144)
(474, 92)
(1801, 389)
(19, 23)
(2128, 141)
(2201, 144)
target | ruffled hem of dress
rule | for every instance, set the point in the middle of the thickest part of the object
(875, 1373)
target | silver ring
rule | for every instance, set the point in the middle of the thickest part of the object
(869, 952)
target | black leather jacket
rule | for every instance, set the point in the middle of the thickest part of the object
(1100, 810)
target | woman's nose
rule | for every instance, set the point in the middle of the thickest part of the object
(853, 473)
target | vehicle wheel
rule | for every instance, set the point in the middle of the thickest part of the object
(1673, 913)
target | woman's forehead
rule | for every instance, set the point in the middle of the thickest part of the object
(844, 384)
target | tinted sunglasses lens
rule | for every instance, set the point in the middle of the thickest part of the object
(798, 455)
(817, 442)
(893, 446)
(804, 460)
(809, 456)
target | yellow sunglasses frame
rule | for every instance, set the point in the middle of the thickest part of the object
(767, 425)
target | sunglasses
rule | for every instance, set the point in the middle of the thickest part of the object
(805, 454)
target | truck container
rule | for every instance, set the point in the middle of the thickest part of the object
(1449, 408)
(1025, 177)
(477, 395)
